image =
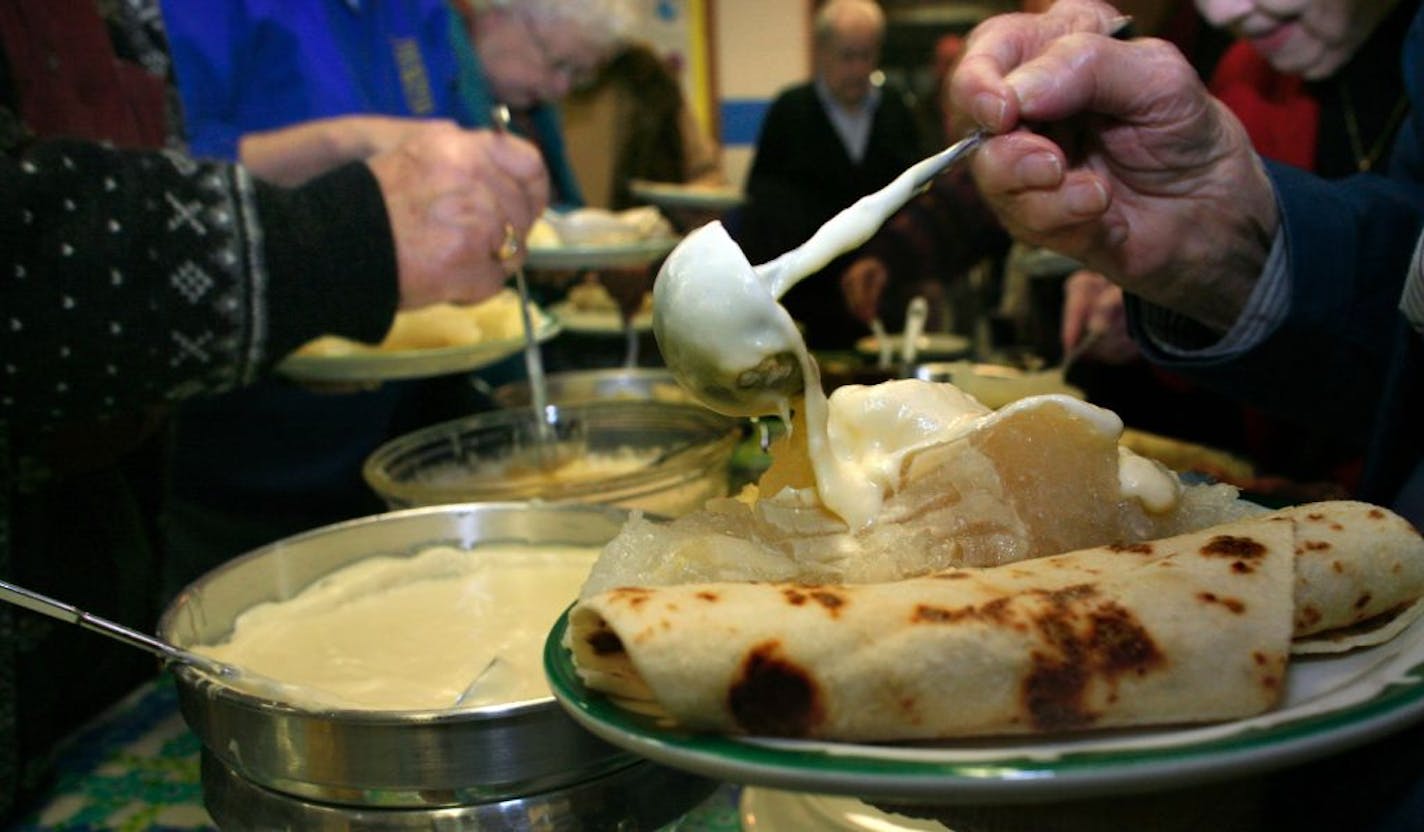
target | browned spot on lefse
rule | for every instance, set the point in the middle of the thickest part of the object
(832, 601)
(1235, 546)
(995, 611)
(1363, 601)
(1233, 604)
(709, 596)
(773, 695)
(1120, 643)
(1241, 567)
(1088, 639)
(1315, 545)
(793, 596)
(1139, 548)
(633, 596)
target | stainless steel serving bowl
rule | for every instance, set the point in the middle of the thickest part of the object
(581, 386)
(686, 451)
(642, 795)
(385, 758)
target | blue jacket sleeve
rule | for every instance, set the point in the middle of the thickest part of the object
(201, 39)
(1348, 244)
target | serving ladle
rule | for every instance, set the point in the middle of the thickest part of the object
(716, 316)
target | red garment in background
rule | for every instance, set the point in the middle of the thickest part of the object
(70, 83)
(1279, 113)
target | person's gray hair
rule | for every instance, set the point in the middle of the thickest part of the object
(833, 13)
(604, 23)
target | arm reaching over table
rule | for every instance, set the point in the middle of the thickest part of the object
(1139, 173)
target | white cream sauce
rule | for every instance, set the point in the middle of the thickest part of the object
(1147, 481)
(411, 633)
(716, 315)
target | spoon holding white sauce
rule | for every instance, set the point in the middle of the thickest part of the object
(716, 316)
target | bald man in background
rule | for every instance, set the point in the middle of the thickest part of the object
(824, 144)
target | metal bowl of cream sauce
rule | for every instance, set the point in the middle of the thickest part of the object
(375, 629)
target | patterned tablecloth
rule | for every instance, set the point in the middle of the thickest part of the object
(136, 770)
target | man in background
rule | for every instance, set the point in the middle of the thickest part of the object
(824, 144)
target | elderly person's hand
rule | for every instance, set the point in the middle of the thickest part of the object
(1143, 176)
(1093, 308)
(455, 199)
(294, 154)
(862, 284)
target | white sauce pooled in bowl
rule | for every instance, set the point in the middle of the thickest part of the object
(392, 633)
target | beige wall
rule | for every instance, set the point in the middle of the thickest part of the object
(760, 46)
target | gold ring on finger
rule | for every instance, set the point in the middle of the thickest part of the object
(509, 247)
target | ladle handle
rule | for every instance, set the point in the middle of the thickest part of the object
(36, 602)
(858, 223)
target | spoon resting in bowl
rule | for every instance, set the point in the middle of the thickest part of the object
(716, 317)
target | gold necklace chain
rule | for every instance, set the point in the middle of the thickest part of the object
(1366, 161)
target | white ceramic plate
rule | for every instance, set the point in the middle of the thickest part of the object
(597, 321)
(677, 195)
(612, 256)
(772, 810)
(1332, 703)
(389, 365)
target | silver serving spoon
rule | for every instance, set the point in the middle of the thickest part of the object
(36, 602)
(708, 294)
(547, 453)
(234, 677)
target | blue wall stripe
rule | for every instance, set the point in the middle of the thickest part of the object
(741, 119)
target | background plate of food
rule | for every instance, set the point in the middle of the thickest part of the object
(682, 195)
(435, 340)
(593, 238)
(589, 308)
(1332, 702)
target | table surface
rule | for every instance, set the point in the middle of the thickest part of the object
(136, 769)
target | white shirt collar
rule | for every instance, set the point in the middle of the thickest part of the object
(853, 126)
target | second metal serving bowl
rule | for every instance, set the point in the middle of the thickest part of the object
(581, 386)
(687, 451)
(385, 758)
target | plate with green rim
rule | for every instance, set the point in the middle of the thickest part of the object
(681, 195)
(1332, 702)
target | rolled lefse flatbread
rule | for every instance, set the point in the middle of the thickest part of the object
(1359, 575)
(1192, 628)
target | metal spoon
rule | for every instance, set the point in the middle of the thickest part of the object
(36, 602)
(547, 453)
(915, 317)
(716, 317)
(1078, 350)
(884, 346)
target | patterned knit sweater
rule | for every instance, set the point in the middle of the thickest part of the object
(131, 279)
